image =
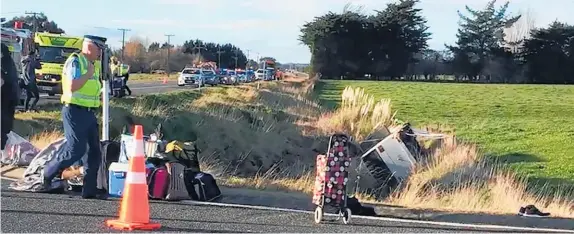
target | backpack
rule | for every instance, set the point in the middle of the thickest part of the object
(185, 153)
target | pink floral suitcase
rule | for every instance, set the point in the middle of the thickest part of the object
(331, 178)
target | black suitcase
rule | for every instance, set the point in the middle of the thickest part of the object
(110, 153)
(201, 186)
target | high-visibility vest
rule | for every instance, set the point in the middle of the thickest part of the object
(89, 94)
(124, 69)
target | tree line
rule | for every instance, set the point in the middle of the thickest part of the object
(144, 56)
(148, 57)
(391, 44)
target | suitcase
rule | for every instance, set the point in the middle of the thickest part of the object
(118, 87)
(332, 177)
(176, 187)
(158, 182)
(201, 186)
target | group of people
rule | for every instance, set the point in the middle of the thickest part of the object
(81, 98)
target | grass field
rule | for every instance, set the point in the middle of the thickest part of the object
(529, 126)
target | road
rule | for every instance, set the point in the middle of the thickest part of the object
(30, 212)
(137, 87)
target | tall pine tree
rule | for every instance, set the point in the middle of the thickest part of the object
(480, 38)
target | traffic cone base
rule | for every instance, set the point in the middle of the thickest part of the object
(121, 225)
(134, 207)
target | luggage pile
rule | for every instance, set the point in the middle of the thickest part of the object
(172, 170)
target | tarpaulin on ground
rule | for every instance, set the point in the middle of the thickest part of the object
(32, 180)
(18, 151)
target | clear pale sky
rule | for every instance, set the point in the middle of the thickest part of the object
(270, 27)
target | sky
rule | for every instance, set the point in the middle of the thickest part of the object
(265, 28)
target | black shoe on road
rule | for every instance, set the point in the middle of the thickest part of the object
(531, 211)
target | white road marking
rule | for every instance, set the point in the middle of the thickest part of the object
(478, 226)
(449, 224)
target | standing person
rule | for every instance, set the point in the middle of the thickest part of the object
(125, 72)
(31, 63)
(10, 92)
(81, 98)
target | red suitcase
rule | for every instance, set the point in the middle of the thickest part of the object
(331, 178)
(158, 182)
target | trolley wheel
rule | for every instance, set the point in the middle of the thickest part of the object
(346, 213)
(318, 214)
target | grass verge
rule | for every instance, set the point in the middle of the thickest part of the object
(151, 77)
(528, 126)
(267, 138)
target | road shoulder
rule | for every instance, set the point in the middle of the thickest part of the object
(299, 201)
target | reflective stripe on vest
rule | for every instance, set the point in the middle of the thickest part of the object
(89, 94)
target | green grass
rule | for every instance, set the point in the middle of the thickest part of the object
(529, 126)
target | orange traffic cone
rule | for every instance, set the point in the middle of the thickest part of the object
(134, 208)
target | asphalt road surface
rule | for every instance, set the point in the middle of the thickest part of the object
(32, 212)
(137, 87)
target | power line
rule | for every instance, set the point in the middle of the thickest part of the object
(124, 30)
(168, 49)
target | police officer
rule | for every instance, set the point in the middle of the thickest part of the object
(10, 94)
(81, 90)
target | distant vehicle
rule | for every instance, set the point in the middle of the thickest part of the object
(210, 77)
(230, 78)
(190, 76)
(259, 74)
(53, 50)
(269, 74)
(250, 74)
(242, 76)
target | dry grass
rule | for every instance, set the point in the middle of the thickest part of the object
(266, 138)
(43, 139)
(151, 77)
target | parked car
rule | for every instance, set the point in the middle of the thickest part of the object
(242, 77)
(190, 76)
(210, 77)
(250, 74)
(259, 74)
(230, 78)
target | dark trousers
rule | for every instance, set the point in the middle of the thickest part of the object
(31, 92)
(7, 121)
(126, 78)
(81, 130)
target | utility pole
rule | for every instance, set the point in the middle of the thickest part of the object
(124, 30)
(247, 62)
(35, 21)
(219, 52)
(168, 49)
(199, 48)
(236, 58)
